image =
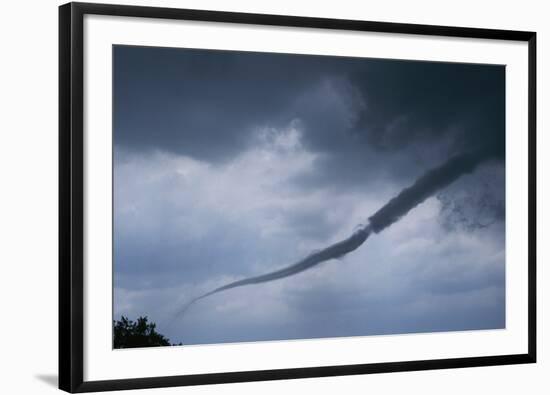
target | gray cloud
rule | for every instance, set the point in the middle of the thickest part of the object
(230, 165)
(350, 108)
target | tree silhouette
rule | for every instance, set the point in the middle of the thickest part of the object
(140, 333)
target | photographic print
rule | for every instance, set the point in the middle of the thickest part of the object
(271, 197)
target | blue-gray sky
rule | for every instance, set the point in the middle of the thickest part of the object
(233, 164)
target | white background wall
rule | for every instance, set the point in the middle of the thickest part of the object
(28, 201)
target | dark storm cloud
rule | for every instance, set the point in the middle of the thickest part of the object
(410, 102)
(407, 117)
(181, 100)
(350, 108)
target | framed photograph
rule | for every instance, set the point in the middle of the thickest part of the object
(251, 197)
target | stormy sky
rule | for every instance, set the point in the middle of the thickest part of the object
(234, 164)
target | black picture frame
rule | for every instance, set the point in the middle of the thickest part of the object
(71, 196)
